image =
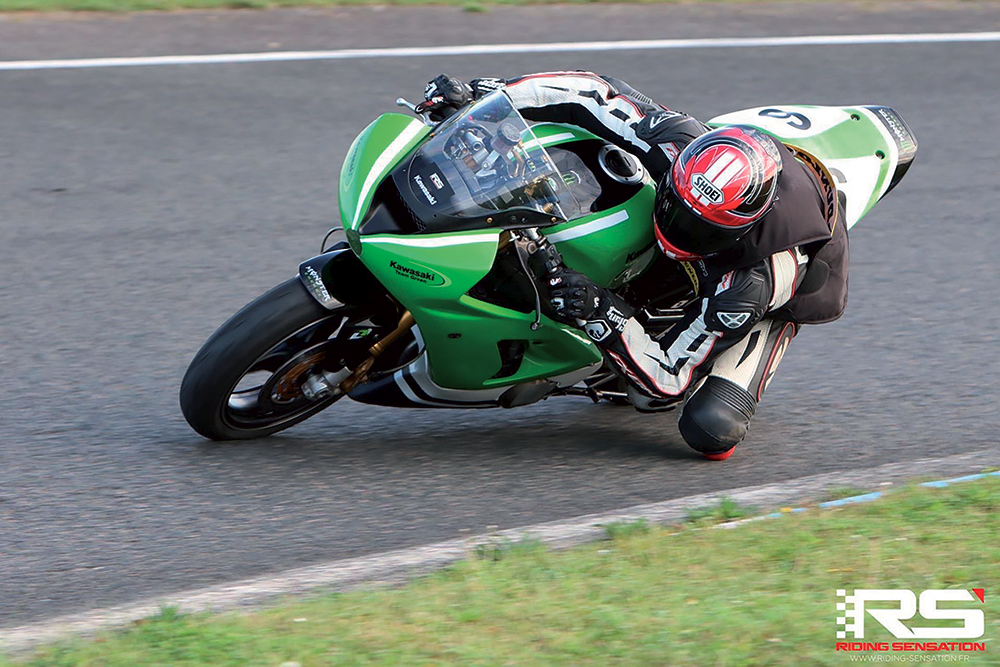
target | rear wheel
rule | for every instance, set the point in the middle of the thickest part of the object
(247, 379)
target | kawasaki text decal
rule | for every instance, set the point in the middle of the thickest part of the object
(421, 274)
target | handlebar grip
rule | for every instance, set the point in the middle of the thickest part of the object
(553, 258)
(428, 105)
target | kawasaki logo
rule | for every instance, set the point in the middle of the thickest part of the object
(423, 188)
(636, 254)
(423, 276)
(352, 160)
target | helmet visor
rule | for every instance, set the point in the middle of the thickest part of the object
(683, 235)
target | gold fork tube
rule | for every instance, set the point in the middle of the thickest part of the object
(406, 322)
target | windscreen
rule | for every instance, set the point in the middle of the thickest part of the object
(484, 164)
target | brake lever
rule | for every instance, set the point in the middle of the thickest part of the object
(418, 109)
(522, 255)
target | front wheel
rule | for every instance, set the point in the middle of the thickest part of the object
(246, 381)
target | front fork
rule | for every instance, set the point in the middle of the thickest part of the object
(360, 373)
(325, 277)
(319, 383)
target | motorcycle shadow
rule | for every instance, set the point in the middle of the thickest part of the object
(598, 431)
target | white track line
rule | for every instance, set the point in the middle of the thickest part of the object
(400, 565)
(493, 49)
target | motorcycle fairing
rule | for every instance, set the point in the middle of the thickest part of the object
(613, 245)
(431, 274)
(413, 387)
(470, 341)
(373, 155)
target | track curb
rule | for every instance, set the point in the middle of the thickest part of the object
(403, 564)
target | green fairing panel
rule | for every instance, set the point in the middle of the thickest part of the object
(853, 144)
(376, 151)
(613, 246)
(430, 275)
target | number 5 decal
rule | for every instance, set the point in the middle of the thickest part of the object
(795, 119)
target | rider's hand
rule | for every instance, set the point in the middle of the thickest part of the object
(444, 95)
(484, 86)
(570, 295)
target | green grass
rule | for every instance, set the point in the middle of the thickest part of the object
(622, 529)
(841, 492)
(167, 5)
(727, 510)
(762, 594)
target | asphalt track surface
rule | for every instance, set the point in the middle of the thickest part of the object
(141, 207)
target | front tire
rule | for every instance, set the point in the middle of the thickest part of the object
(269, 335)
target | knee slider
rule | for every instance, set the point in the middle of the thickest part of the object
(716, 418)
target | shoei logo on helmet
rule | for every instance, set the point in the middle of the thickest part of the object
(706, 189)
(728, 177)
(720, 174)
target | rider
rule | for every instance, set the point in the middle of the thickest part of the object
(753, 223)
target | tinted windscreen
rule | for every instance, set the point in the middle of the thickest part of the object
(483, 164)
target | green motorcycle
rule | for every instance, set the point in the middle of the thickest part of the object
(424, 298)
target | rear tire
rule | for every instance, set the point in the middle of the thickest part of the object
(230, 354)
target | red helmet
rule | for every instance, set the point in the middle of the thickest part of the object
(718, 188)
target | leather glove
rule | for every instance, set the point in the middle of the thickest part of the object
(575, 299)
(569, 295)
(444, 95)
(572, 296)
(484, 86)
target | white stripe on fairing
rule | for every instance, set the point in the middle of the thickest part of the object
(420, 373)
(548, 141)
(405, 388)
(375, 173)
(589, 227)
(415, 242)
(490, 49)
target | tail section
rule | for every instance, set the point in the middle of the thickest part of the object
(868, 149)
(906, 143)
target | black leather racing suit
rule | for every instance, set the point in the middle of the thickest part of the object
(725, 337)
